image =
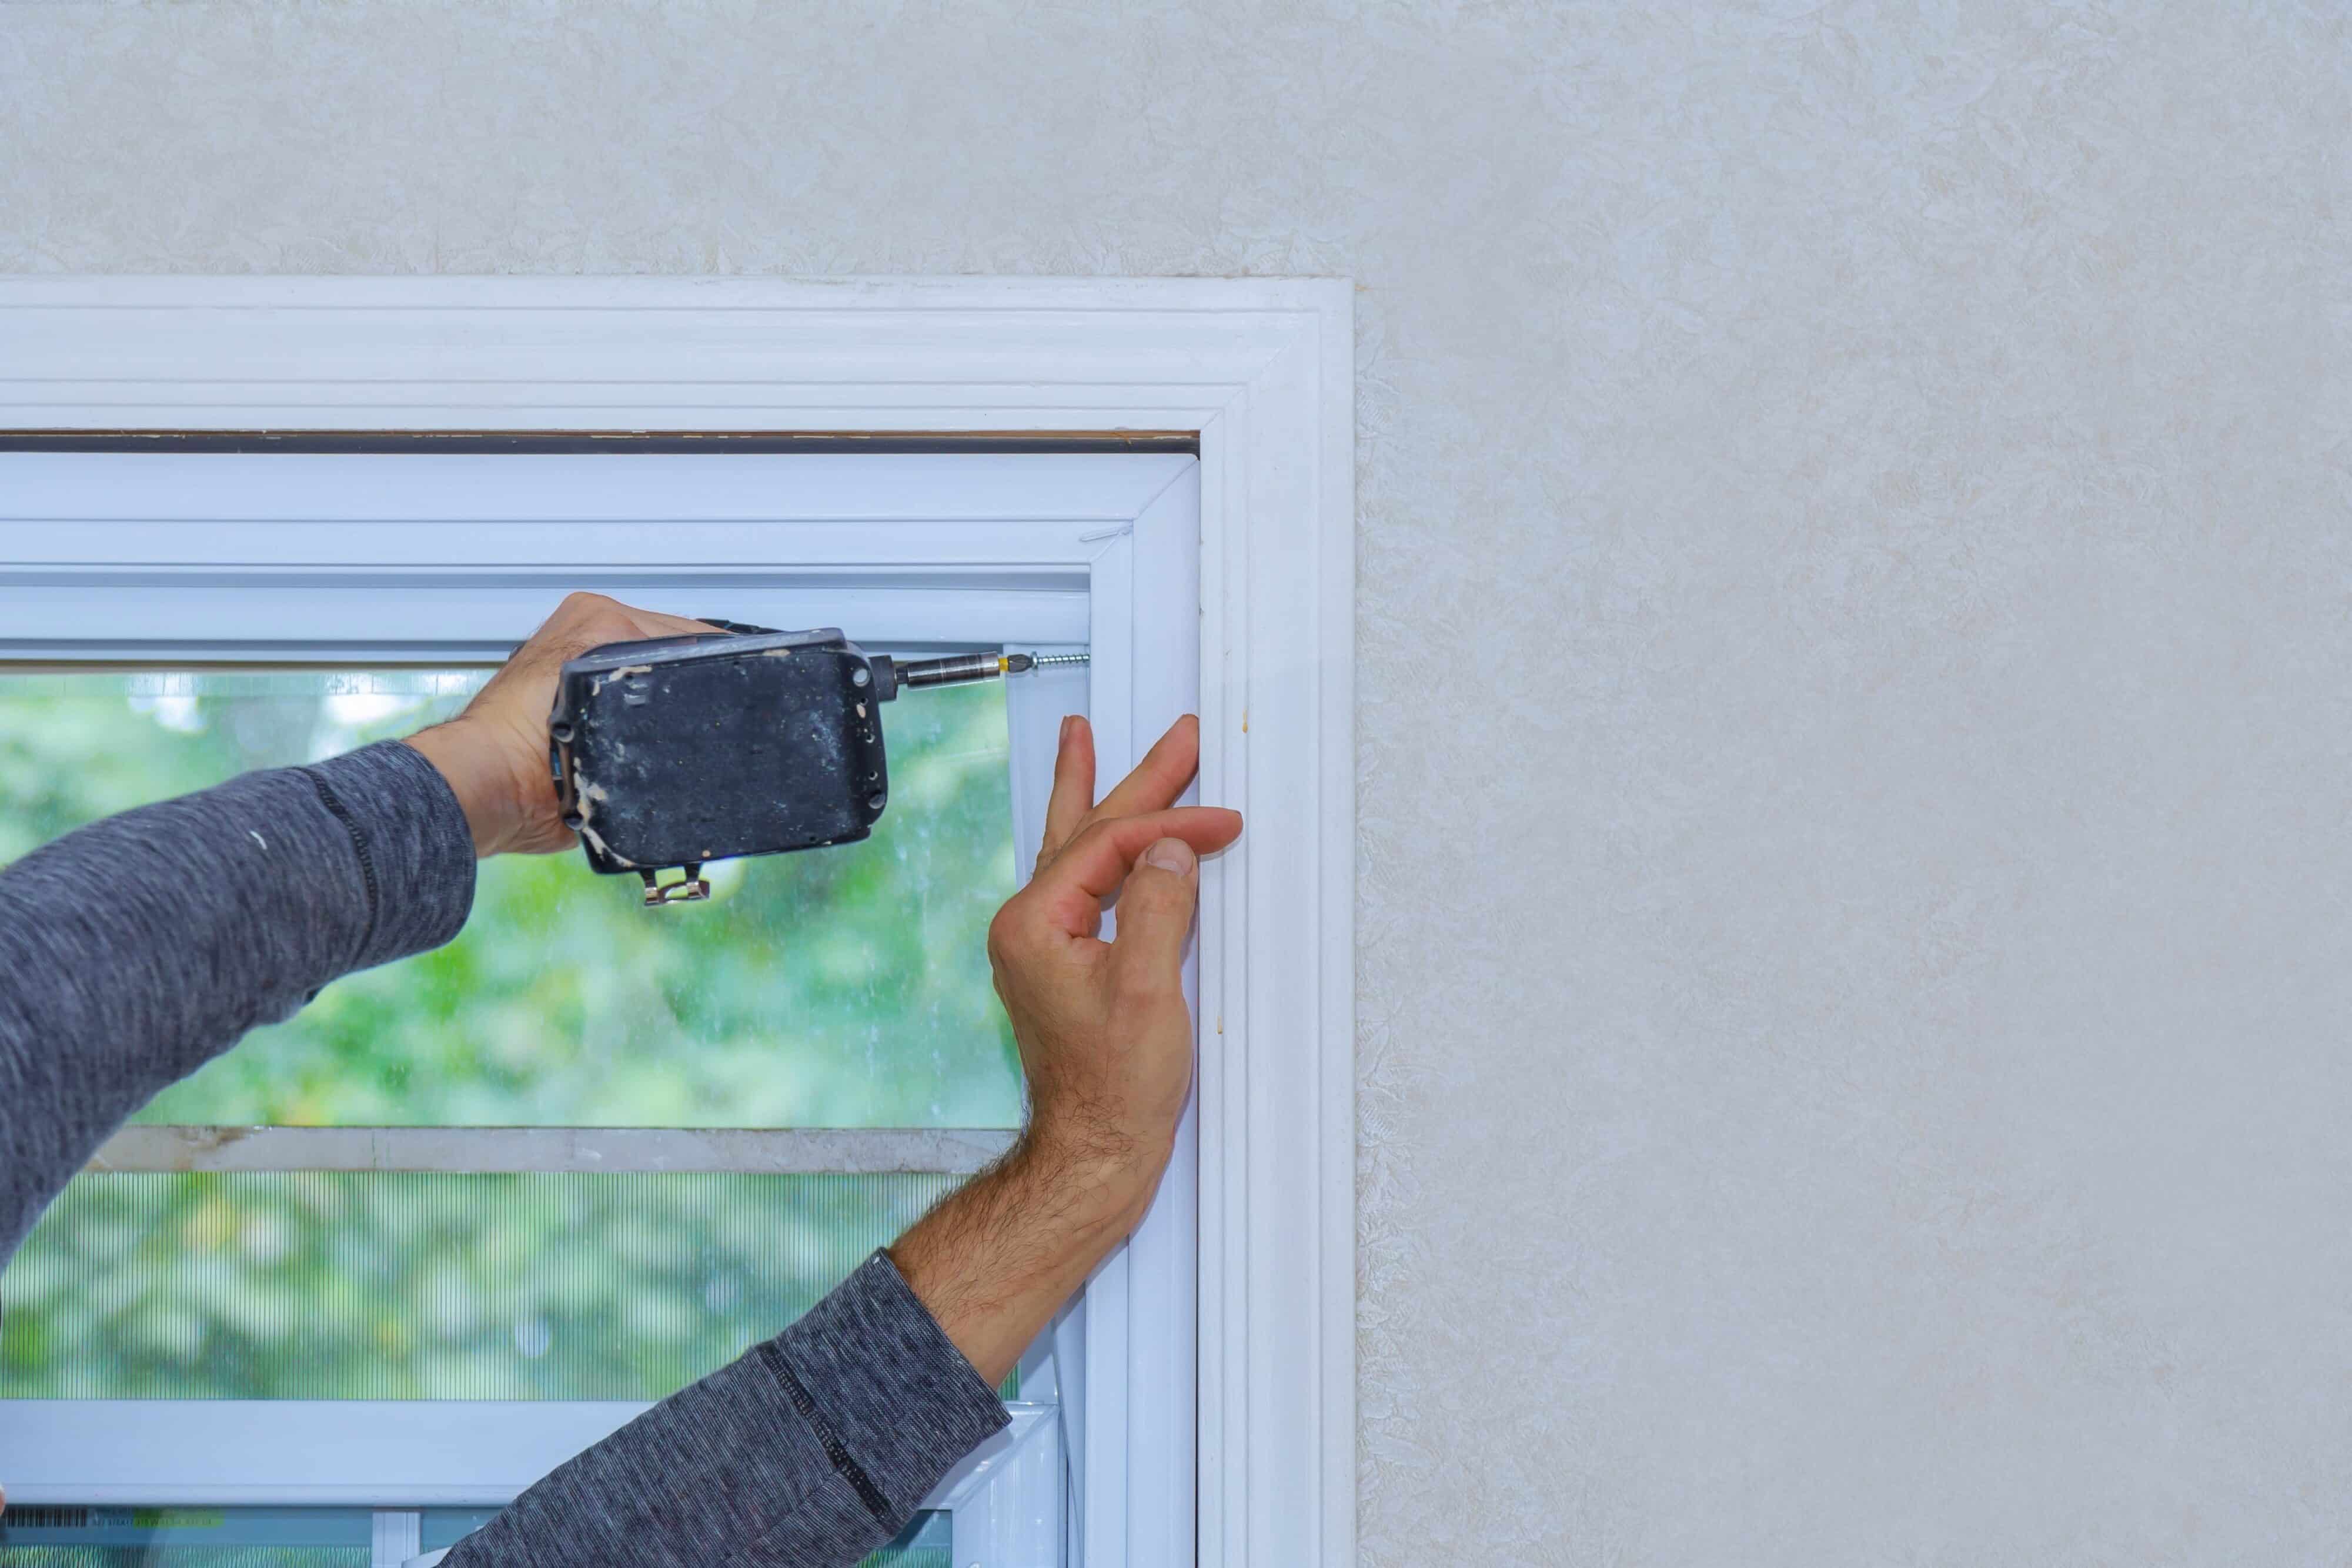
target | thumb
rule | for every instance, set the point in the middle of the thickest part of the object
(1155, 912)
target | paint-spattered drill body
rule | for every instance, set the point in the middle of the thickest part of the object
(680, 751)
(674, 752)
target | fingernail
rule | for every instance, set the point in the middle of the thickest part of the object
(1066, 727)
(1170, 854)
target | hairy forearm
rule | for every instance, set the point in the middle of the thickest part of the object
(997, 1257)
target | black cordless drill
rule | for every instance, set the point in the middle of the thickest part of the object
(679, 751)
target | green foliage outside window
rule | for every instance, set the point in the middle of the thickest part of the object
(838, 988)
(841, 987)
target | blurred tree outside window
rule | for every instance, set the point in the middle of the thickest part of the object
(843, 988)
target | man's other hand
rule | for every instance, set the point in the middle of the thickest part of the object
(494, 755)
(1106, 1039)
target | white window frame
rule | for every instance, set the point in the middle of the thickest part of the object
(1259, 371)
(171, 560)
(1003, 1500)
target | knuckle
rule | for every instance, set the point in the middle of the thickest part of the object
(1145, 987)
(1008, 933)
(1161, 890)
(580, 602)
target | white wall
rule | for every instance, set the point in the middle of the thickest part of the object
(1857, 671)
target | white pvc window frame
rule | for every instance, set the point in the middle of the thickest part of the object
(1259, 371)
(1004, 1501)
(187, 559)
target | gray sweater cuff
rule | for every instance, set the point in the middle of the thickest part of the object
(410, 842)
(811, 1450)
(885, 1379)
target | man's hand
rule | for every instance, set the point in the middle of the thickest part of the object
(1105, 1035)
(494, 755)
(1107, 1041)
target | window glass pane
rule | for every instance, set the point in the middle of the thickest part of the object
(332, 1285)
(927, 1541)
(437, 1528)
(845, 986)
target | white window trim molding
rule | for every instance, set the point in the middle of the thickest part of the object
(1261, 370)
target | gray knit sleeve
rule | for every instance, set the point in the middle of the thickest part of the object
(135, 950)
(808, 1452)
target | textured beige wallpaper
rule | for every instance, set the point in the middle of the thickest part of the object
(1857, 666)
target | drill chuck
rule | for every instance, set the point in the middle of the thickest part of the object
(954, 670)
(959, 668)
